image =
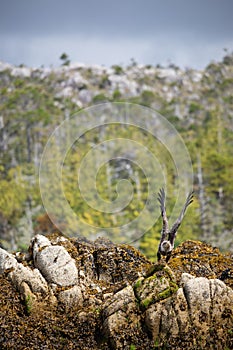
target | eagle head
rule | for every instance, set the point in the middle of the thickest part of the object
(166, 247)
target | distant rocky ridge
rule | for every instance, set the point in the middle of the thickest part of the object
(82, 83)
(78, 294)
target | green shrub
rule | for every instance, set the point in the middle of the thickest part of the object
(99, 98)
(116, 94)
(118, 69)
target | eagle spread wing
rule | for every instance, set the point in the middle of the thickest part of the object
(176, 225)
(161, 199)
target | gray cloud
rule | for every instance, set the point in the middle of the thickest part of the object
(106, 32)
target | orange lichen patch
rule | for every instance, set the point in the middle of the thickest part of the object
(55, 235)
(202, 260)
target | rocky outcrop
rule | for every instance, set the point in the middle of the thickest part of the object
(195, 306)
(77, 294)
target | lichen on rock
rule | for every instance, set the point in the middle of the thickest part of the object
(156, 287)
(78, 294)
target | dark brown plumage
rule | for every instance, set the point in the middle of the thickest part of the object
(167, 240)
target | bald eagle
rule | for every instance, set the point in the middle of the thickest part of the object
(168, 236)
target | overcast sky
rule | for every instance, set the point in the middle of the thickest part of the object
(189, 33)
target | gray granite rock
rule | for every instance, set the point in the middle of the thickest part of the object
(7, 261)
(57, 266)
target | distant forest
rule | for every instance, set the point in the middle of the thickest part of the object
(198, 103)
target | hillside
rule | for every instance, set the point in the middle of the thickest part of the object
(33, 101)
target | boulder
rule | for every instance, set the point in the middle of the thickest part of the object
(71, 297)
(121, 320)
(7, 261)
(190, 307)
(33, 277)
(22, 72)
(57, 266)
(156, 287)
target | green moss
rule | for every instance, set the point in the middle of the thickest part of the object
(132, 347)
(174, 287)
(146, 302)
(166, 293)
(138, 283)
(169, 273)
(28, 304)
(154, 268)
(153, 278)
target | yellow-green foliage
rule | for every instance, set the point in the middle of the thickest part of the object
(31, 109)
(12, 195)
